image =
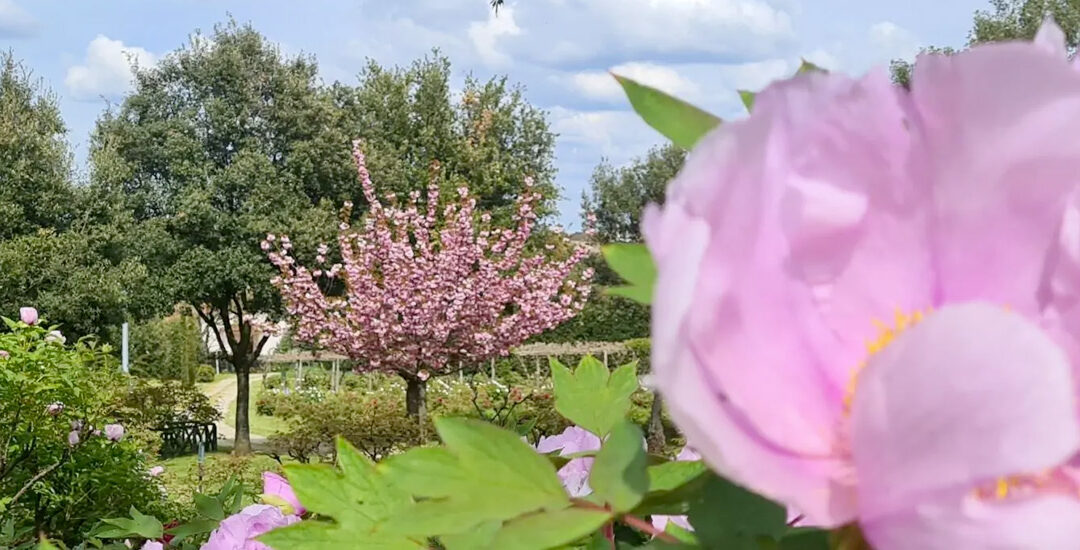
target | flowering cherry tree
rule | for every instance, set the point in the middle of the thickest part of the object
(419, 294)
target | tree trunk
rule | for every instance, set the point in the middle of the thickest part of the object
(242, 443)
(655, 437)
(416, 401)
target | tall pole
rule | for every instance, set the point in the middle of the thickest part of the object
(124, 348)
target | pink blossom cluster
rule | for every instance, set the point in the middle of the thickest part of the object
(428, 291)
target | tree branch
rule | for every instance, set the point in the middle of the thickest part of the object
(208, 318)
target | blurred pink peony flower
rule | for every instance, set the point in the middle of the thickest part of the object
(153, 545)
(830, 324)
(54, 408)
(114, 432)
(574, 474)
(4, 354)
(73, 438)
(238, 532)
(276, 485)
(55, 336)
(28, 315)
(156, 471)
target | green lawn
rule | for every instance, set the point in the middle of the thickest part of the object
(259, 424)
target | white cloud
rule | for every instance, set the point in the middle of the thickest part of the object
(602, 86)
(609, 133)
(824, 59)
(15, 22)
(485, 36)
(575, 32)
(106, 71)
(892, 40)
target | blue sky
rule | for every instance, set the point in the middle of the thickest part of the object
(702, 50)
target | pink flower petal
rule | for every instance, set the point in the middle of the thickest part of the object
(970, 394)
(959, 521)
(998, 145)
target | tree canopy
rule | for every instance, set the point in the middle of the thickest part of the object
(617, 196)
(1008, 20)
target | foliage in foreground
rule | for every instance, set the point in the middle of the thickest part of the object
(64, 462)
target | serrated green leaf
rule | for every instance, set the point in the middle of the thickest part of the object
(367, 485)
(314, 535)
(635, 265)
(485, 473)
(747, 98)
(728, 516)
(321, 489)
(591, 397)
(679, 121)
(672, 475)
(619, 476)
(545, 530)
(209, 507)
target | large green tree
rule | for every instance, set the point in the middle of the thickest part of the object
(222, 142)
(35, 163)
(52, 254)
(618, 195)
(1008, 20)
(487, 137)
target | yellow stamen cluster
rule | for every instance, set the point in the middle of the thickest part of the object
(887, 332)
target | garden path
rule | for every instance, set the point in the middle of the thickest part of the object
(222, 393)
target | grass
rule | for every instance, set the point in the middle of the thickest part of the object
(259, 424)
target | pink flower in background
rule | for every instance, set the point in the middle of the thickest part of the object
(278, 486)
(28, 315)
(238, 532)
(660, 522)
(156, 471)
(4, 354)
(55, 336)
(153, 545)
(574, 474)
(114, 432)
(54, 408)
(829, 321)
(73, 438)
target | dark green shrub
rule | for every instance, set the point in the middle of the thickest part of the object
(205, 373)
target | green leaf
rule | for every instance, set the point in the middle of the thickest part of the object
(316, 535)
(194, 527)
(808, 67)
(548, 529)
(635, 265)
(679, 121)
(484, 473)
(684, 535)
(478, 537)
(805, 539)
(591, 397)
(320, 489)
(672, 475)
(747, 98)
(618, 474)
(45, 544)
(209, 507)
(728, 516)
(147, 527)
